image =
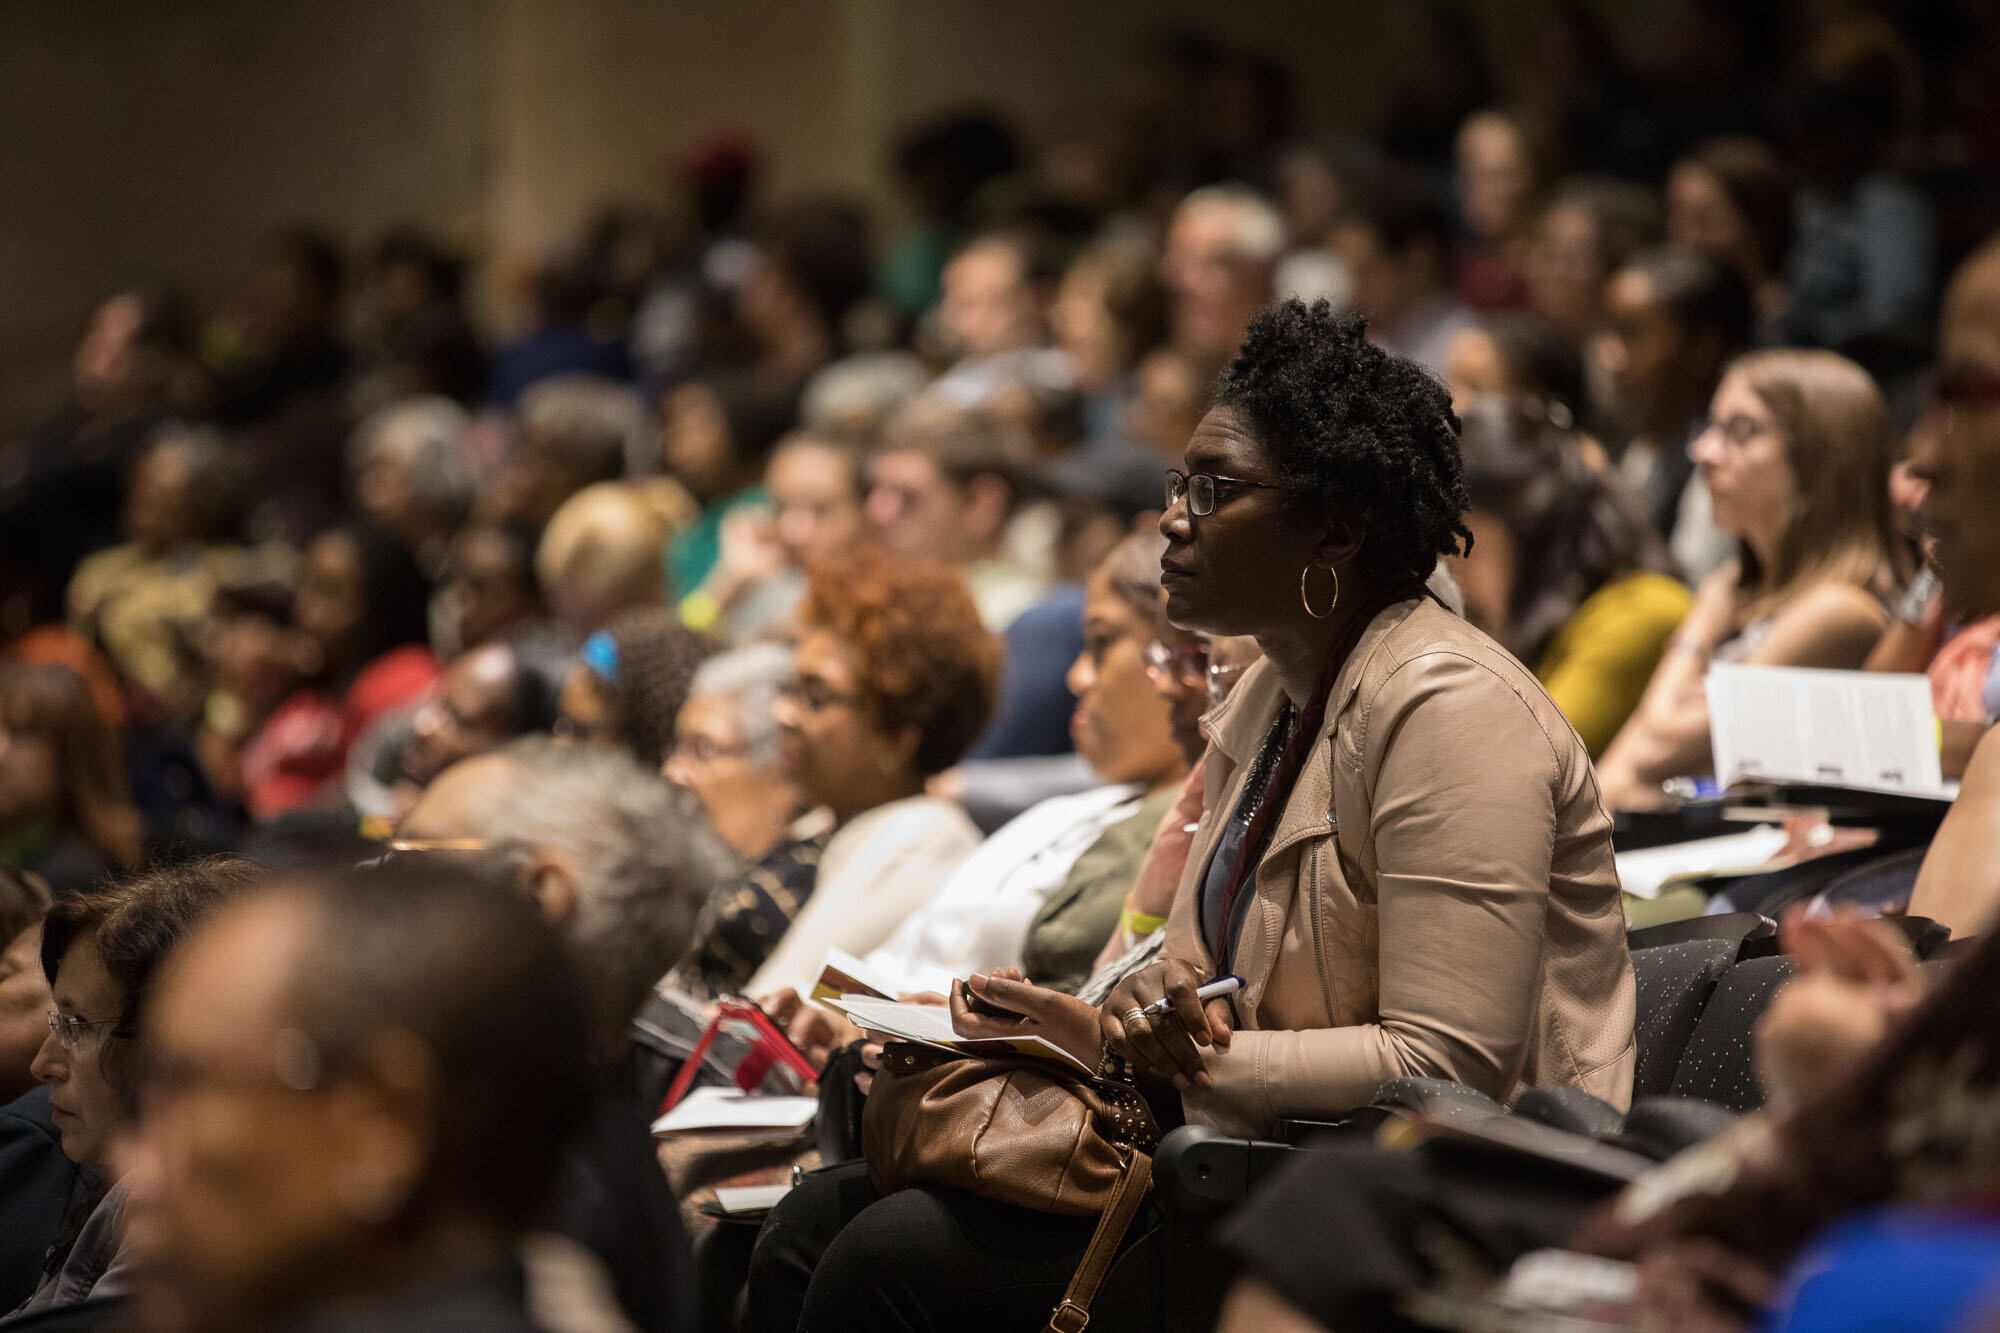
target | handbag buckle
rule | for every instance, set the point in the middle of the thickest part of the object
(1067, 1311)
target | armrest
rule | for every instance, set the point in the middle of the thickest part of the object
(1201, 1170)
(1438, 1098)
(1658, 1127)
(1572, 1109)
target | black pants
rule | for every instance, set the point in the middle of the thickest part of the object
(835, 1256)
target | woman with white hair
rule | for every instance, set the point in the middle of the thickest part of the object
(411, 474)
(725, 751)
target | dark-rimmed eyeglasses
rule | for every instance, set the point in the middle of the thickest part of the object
(1204, 490)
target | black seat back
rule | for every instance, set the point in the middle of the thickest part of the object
(1717, 1065)
(1675, 981)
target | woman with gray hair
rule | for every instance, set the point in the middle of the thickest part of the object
(411, 474)
(725, 751)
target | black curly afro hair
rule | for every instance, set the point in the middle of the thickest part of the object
(1353, 429)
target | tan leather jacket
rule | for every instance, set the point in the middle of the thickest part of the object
(1438, 896)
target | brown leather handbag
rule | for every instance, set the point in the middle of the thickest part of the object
(1023, 1131)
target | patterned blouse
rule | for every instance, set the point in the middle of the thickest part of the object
(744, 919)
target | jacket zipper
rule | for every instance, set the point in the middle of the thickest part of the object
(1319, 944)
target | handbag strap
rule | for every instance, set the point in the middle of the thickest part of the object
(1073, 1314)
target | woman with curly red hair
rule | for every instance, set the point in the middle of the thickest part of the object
(893, 678)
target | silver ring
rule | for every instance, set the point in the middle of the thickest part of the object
(1135, 1014)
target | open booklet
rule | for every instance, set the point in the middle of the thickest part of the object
(930, 1025)
(842, 974)
(1862, 730)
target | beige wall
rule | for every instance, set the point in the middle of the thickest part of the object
(167, 135)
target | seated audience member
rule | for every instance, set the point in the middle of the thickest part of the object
(1731, 199)
(411, 475)
(489, 589)
(66, 475)
(66, 810)
(716, 435)
(994, 319)
(1019, 879)
(101, 951)
(1498, 181)
(1389, 1224)
(1958, 884)
(142, 601)
(1796, 458)
(943, 485)
(1518, 356)
(24, 991)
(1396, 243)
(893, 677)
(1564, 570)
(808, 269)
(620, 865)
(1492, 945)
(605, 551)
(1217, 266)
(37, 1182)
(419, 338)
(360, 1094)
(631, 683)
(359, 617)
(726, 753)
(1109, 311)
(574, 432)
(1673, 320)
(1588, 229)
(486, 698)
(814, 488)
(563, 345)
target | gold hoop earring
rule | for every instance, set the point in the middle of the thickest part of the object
(1307, 601)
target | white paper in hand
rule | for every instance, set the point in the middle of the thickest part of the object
(1870, 730)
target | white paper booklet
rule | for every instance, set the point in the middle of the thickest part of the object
(844, 974)
(1869, 730)
(930, 1025)
(733, 1109)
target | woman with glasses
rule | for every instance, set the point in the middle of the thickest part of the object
(1401, 850)
(100, 952)
(1796, 457)
(893, 677)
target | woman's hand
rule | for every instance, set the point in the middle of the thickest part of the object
(1062, 1019)
(1166, 1045)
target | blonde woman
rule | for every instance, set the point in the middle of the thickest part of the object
(1796, 457)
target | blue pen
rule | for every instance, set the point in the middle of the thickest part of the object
(1220, 986)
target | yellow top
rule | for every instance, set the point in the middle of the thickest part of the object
(1597, 665)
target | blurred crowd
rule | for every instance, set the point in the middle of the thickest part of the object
(783, 581)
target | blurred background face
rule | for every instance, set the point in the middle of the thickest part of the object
(1123, 728)
(1494, 174)
(30, 773)
(989, 305)
(813, 503)
(913, 508)
(1642, 348)
(112, 370)
(746, 800)
(1167, 403)
(1742, 457)
(1212, 292)
(1565, 270)
(24, 1010)
(1378, 277)
(1486, 577)
(244, 1192)
(589, 709)
(486, 590)
(471, 713)
(87, 1108)
(159, 504)
(694, 439)
(1474, 368)
(828, 739)
(329, 606)
(1701, 217)
(1083, 324)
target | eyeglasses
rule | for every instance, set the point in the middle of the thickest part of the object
(73, 1033)
(1200, 488)
(816, 694)
(1218, 679)
(1965, 387)
(1186, 663)
(1738, 430)
(707, 749)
